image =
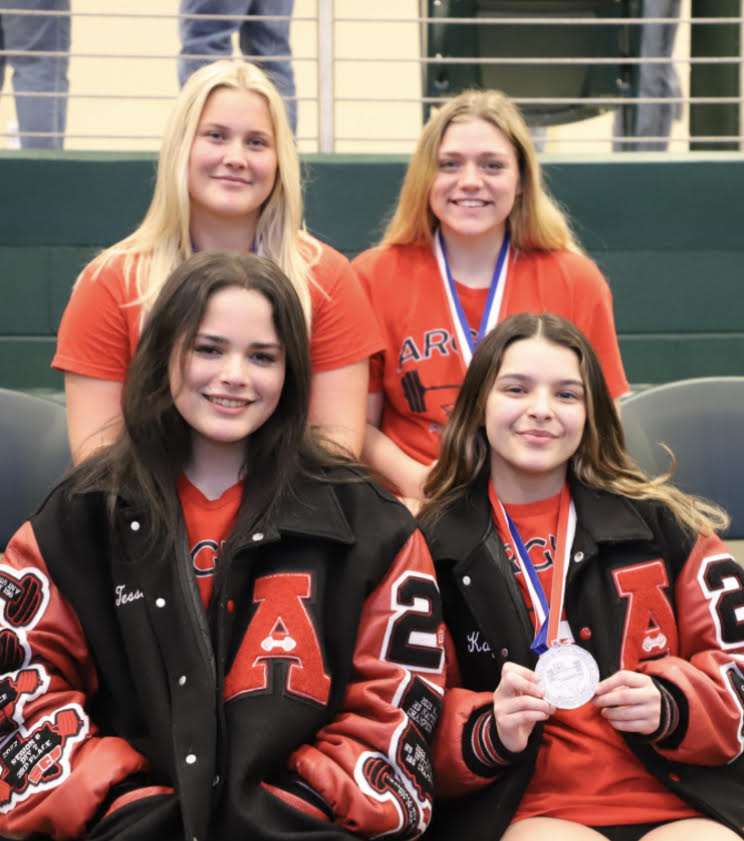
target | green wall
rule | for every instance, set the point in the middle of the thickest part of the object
(666, 231)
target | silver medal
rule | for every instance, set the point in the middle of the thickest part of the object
(569, 675)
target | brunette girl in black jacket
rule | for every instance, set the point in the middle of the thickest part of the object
(215, 629)
(596, 687)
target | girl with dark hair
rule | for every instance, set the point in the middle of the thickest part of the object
(214, 628)
(596, 686)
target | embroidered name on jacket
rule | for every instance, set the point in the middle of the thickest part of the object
(124, 596)
(477, 646)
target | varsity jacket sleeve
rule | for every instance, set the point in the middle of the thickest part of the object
(57, 775)
(467, 751)
(370, 768)
(703, 684)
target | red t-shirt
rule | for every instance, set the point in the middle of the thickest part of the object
(208, 525)
(100, 326)
(585, 772)
(420, 371)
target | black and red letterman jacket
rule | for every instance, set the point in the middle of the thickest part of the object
(300, 706)
(641, 594)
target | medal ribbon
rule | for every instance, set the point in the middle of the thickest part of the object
(548, 615)
(493, 301)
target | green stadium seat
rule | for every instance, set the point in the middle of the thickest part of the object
(34, 454)
(702, 421)
(575, 81)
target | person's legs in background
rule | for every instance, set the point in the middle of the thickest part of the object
(654, 119)
(206, 37)
(45, 117)
(262, 39)
(259, 40)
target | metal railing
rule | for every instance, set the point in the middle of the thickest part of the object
(361, 80)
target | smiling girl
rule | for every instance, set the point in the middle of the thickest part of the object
(596, 677)
(475, 238)
(228, 179)
(218, 629)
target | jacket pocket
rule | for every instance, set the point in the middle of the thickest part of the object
(300, 797)
(149, 814)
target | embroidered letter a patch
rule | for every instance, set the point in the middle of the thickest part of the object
(281, 629)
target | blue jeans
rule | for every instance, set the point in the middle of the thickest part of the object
(37, 73)
(654, 80)
(259, 40)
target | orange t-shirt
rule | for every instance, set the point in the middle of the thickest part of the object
(585, 771)
(100, 327)
(208, 525)
(420, 371)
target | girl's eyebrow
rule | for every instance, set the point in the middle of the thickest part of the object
(485, 153)
(262, 345)
(221, 340)
(515, 375)
(211, 338)
(224, 127)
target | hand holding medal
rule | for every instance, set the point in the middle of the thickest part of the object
(518, 704)
(630, 701)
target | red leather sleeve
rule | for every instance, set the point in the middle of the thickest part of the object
(705, 673)
(466, 753)
(55, 771)
(372, 764)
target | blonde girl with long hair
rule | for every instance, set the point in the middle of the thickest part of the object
(228, 179)
(475, 237)
(595, 678)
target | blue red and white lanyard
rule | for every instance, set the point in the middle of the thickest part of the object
(548, 615)
(493, 302)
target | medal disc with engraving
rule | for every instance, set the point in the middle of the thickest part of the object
(569, 675)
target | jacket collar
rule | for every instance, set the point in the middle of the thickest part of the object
(310, 509)
(607, 517)
(603, 517)
(463, 527)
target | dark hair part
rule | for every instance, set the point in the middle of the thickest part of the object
(600, 461)
(154, 445)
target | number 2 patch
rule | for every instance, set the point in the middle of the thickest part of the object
(722, 581)
(414, 636)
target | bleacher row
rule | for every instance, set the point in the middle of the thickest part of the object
(665, 231)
